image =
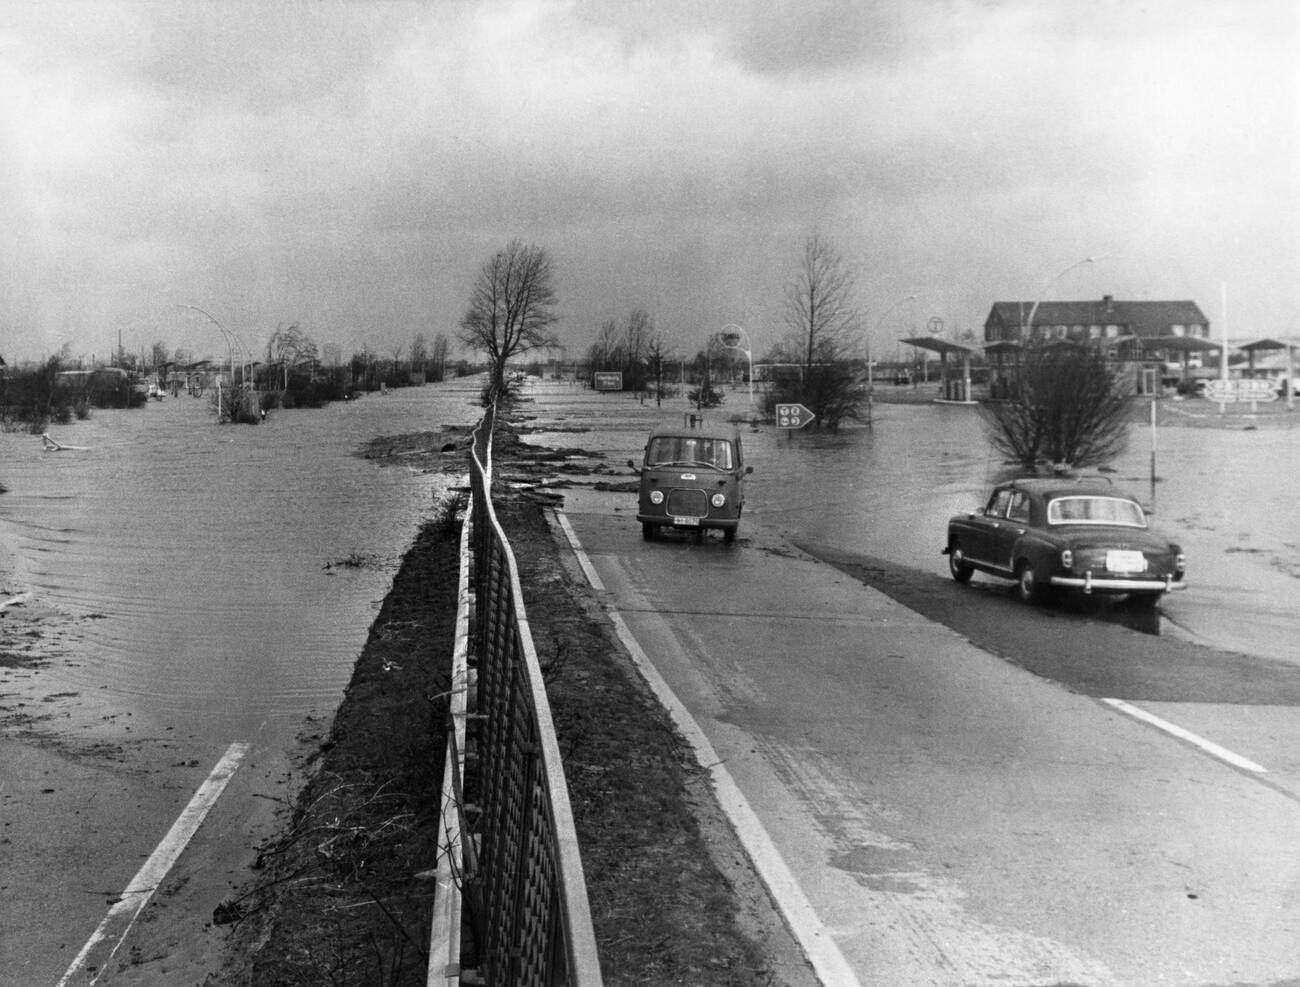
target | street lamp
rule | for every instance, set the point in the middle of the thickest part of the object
(1029, 324)
(871, 382)
(730, 337)
(231, 340)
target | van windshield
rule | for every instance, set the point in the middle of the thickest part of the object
(690, 450)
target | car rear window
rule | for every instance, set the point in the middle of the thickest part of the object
(693, 450)
(1095, 510)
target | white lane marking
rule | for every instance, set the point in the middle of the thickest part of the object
(588, 569)
(20, 598)
(816, 940)
(1211, 748)
(117, 923)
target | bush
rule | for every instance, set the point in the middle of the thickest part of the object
(1071, 410)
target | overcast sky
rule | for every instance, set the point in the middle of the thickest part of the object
(349, 166)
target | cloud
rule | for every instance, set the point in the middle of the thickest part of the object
(349, 165)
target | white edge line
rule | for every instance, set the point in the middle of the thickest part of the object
(588, 569)
(148, 877)
(1208, 746)
(819, 946)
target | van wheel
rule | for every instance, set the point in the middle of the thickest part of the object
(648, 532)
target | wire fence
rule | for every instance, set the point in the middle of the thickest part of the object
(510, 907)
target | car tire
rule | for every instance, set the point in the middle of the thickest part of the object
(728, 535)
(1028, 588)
(648, 532)
(957, 564)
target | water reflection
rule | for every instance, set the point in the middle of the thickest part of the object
(194, 562)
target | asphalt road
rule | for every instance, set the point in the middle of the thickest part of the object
(967, 794)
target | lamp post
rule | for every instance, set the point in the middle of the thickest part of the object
(871, 382)
(730, 337)
(1033, 309)
(231, 340)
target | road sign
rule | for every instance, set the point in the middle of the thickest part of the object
(1241, 389)
(607, 380)
(1256, 390)
(792, 416)
(1223, 391)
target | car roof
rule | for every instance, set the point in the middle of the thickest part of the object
(728, 432)
(1066, 487)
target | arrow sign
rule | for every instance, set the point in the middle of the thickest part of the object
(792, 416)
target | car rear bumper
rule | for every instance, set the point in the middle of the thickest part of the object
(1089, 584)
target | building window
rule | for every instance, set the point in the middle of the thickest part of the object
(1094, 332)
(1112, 332)
(1196, 329)
(1178, 330)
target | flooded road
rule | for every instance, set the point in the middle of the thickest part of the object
(223, 577)
(179, 596)
(1226, 495)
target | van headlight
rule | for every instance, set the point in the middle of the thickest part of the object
(718, 500)
(656, 497)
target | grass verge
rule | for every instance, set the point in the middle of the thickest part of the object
(338, 898)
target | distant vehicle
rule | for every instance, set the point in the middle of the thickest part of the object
(1080, 535)
(691, 478)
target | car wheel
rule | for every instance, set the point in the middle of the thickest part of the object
(648, 532)
(728, 535)
(1027, 586)
(957, 564)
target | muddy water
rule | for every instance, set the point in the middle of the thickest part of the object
(222, 578)
(1227, 495)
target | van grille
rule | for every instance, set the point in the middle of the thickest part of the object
(687, 503)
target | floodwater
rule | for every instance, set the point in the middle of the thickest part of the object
(219, 577)
(1228, 496)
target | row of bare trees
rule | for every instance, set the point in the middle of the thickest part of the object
(1070, 407)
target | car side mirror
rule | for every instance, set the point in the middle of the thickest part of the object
(749, 469)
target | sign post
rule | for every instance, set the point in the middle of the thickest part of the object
(792, 416)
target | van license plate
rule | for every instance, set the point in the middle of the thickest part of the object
(686, 522)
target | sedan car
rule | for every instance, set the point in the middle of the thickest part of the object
(1080, 535)
(691, 478)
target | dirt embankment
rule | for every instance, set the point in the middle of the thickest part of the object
(339, 897)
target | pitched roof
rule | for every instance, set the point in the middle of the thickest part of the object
(1142, 318)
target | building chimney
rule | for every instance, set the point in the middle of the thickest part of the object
(1109, 302)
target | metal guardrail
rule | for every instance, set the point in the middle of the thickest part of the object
(509, 869)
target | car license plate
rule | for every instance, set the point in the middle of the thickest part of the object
(1124, 561)
(686, 522)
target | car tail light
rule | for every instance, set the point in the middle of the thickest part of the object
(656, 497)
(1067, 559)
(718, 500)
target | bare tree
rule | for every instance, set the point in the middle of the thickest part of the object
(1071, 410)
(419, 353)
(511, 308)
(438, 356)
(656, 356)
(820, 304)
(822, 318)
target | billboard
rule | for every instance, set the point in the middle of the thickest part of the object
(607, 380)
